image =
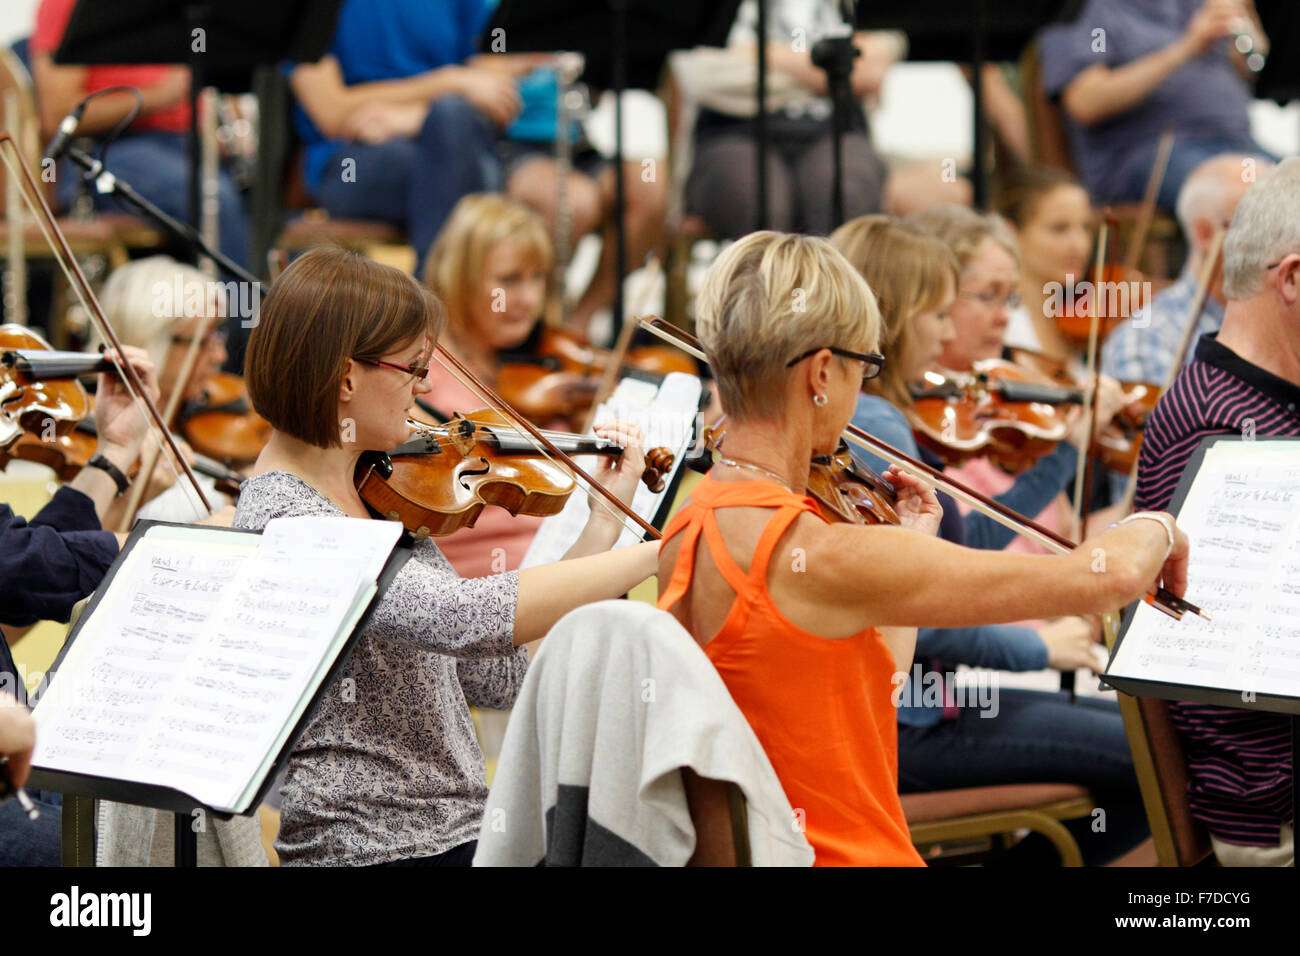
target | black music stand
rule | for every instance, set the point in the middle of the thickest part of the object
(237, 36)
(967, 31)
(624, 43)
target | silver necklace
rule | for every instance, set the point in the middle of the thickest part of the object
(744, 464)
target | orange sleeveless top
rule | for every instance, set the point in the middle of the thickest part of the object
(821, 707)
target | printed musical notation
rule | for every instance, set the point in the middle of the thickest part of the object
(1242, 516)
(204, 651)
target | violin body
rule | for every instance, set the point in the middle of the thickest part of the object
(441, 480)
(1119, 441)
(223, 426)
(849, 491)
(42, 407)
(560, 376)
(65, 455)
(1000, 410)
(1123, 292)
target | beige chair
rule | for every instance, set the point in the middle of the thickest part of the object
(957, 816)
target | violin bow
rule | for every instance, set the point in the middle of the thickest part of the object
(1081, 471)
(150, 457)
(1148, 210)
(488, 394)
(1163, 600)
(12, 157)
(1213, 253)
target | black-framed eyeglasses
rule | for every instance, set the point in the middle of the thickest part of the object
(873, 363)
(416, 372)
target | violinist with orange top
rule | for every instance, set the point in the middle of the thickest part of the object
(1031, 736)
(808, 623)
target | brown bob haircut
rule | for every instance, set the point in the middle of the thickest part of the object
(330, 305)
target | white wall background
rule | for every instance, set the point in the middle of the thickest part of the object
(16, 19)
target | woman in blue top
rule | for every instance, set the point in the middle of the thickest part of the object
(1010, 736)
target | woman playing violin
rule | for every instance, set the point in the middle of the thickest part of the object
(389, 769)
(987, 293)
(1054, 227)
(914, 277)
(490, 266)
(808, 622)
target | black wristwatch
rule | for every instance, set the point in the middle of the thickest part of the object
(103, 464)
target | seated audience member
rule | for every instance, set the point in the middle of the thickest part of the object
(808, 622)
(400, 118)
(50, 563)
(721, 187)
(1243, 379)
(1126, 70)
(1031, 736)
(531, 173)
(153, 154)
(1142, 348)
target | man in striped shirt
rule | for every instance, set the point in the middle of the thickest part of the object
(1245, 380)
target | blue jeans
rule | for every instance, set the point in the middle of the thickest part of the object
(414, 183)
(1185, 156)
(37, 842)
(157, 165)
(1036, 737)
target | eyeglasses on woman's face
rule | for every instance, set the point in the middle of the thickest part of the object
(994, 300)
(872, 362)
(417, 371)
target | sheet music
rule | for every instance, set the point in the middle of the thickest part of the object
(667, 416)
(205, 651)
(1242, 514)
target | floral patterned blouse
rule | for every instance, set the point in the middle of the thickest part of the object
(389, 767)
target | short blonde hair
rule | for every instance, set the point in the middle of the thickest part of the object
(910, 272)
(769, 297)
(965, 230)
(140, 302)
(458, 256)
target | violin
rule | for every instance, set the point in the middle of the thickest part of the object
(1115, 293)
(1119, 441)
(1000, 410)
(48, 379)
(560, 375)
(443, 476)
(37, 395)
(222, 425)
(847, 490)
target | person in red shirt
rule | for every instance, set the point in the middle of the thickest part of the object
(153, 154)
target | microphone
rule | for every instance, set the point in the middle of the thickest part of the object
(63, 135)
